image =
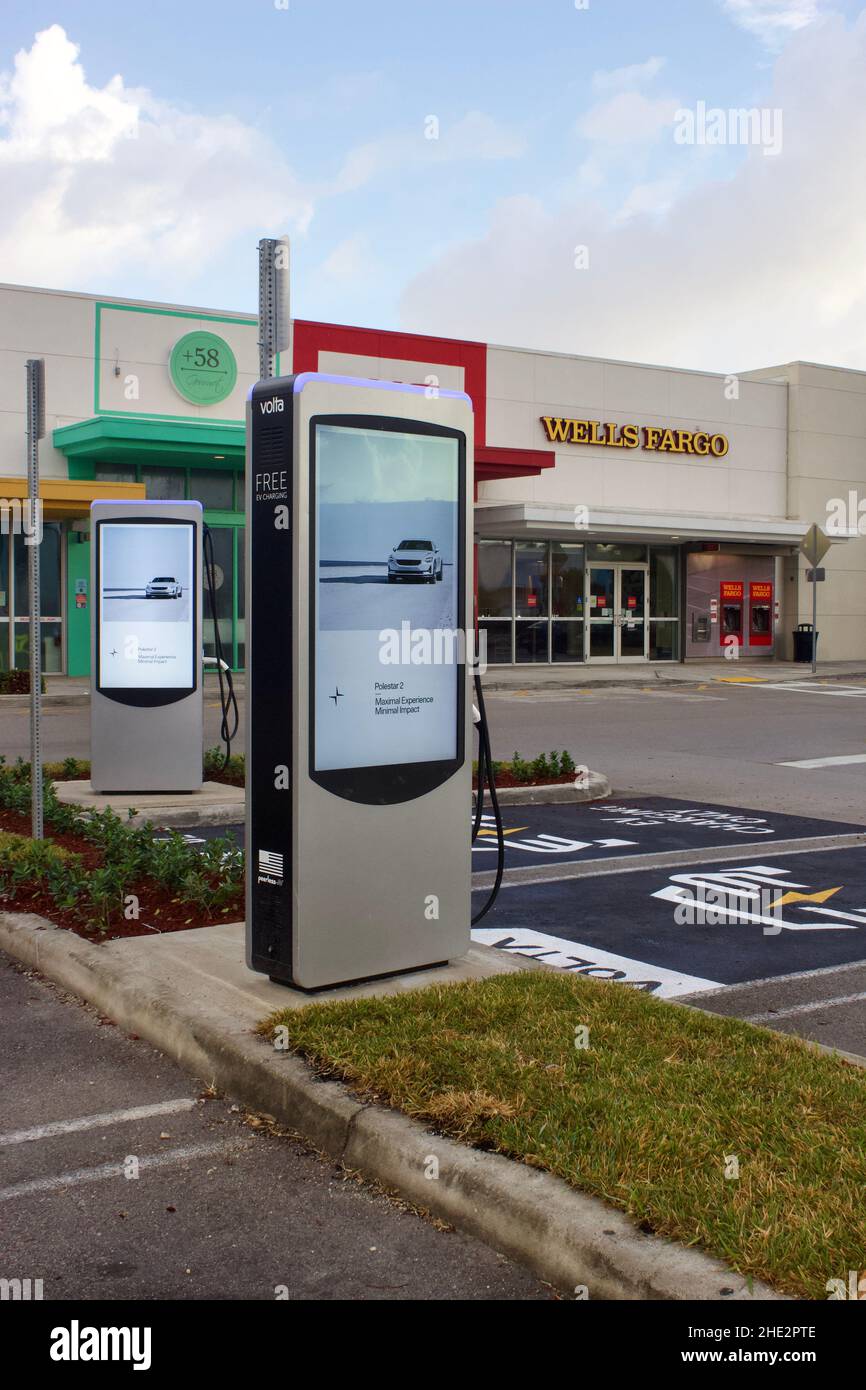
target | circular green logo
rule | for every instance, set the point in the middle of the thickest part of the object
(203, 368)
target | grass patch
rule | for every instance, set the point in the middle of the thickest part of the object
(644, 1117)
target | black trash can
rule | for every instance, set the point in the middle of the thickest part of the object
(803, 642)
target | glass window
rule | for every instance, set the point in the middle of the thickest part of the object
(566, 580)
(494, 579)
(494, 641)
(530, 572)
(664, 642)
(664, 588)
(52, 646)
(4, 576)
(242, 579)
(223, 584)
(530, 640)
(114, 473)
(213, 487)
(629, 553)
(567, 641)
(164, 484)
(49, 572)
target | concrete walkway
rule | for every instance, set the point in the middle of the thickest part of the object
(75, 691)
(215, 804)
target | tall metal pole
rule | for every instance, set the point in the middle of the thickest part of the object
(814, 619)
(35, 427)
(274, 303)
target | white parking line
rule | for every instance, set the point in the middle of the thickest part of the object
(843, 761)
(814, 1007)
(114, 1170)
(853, 692)
(109, 1117)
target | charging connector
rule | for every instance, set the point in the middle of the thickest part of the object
(228, 702)
(486, 773)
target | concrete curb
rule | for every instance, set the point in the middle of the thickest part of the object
(215, 804)
(564, 1236)
(593, 788)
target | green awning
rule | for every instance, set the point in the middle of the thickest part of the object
(126, 439)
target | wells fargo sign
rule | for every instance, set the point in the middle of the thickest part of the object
(656, 438)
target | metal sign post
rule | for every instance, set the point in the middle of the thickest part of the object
(814, 546)
(35, 427)
(274, 303)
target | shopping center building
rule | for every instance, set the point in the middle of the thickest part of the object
(625, 513)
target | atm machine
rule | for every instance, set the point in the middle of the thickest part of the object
(731, 606)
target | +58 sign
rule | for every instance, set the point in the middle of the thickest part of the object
(203, 368)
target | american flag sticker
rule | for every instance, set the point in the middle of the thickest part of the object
(270, 864)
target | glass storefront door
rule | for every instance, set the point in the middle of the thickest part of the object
(616, 612)
(600, 611)
(631, 607)
(15, 600)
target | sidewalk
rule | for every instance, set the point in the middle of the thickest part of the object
(545, 677)
(74, 691)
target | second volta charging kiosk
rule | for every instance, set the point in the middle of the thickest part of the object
(358, 707)
(146, 701)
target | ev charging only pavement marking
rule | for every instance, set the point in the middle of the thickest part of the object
(571, 834)
(732, 923)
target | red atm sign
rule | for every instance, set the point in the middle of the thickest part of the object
(731, 589)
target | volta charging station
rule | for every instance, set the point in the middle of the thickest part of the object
(146, 702)
(359, 712)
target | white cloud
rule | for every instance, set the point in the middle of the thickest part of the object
(620, 79)
(346, 260)
(627, 118)
(476, 136)
(774, 20)
(98, 178)
(653, 197)
(763, 267)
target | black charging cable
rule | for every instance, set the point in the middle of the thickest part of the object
(486, 773)
(228, 701)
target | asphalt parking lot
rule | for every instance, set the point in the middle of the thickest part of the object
(707, 778)
(122, 1178)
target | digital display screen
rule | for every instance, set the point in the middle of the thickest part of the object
(386, 574)
(146, 605)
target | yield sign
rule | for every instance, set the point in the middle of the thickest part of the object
(815, 544)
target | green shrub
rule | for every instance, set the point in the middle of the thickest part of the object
(17, 682)
(130, 857)
(520, 770)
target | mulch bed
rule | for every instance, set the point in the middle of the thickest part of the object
(158, 906)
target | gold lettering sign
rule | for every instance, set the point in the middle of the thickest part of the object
(657, 439)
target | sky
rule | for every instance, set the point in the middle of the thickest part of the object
(552, 174)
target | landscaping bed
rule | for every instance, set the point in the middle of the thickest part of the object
(546, 770)
(104, 878)
(647, 1116)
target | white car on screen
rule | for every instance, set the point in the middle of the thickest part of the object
(163, 586)
(415, 559)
